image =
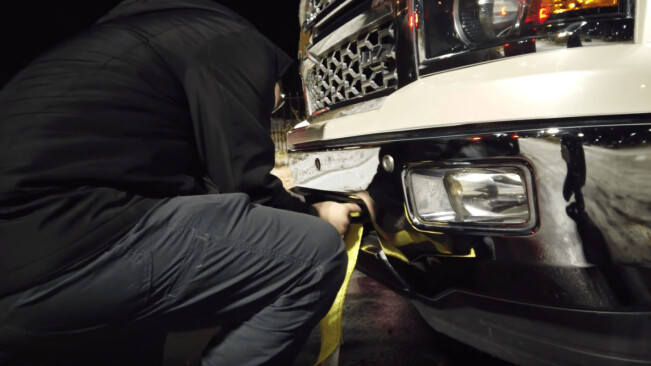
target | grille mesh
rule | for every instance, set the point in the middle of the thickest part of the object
(318, 6)
(354, 69)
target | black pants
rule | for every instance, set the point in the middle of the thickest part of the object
(194, 262)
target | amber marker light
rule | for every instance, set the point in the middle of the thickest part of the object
(543, 15)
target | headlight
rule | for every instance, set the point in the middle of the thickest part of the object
(478, 21)
(487, 196)
(479, 30)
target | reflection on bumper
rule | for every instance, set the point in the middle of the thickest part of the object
(529, 334)
(339, 170)
(594, 205)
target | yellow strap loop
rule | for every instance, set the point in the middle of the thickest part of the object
(331, 333)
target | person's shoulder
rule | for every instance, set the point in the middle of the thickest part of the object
(167, 8)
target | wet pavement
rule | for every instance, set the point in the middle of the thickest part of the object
(380, 328)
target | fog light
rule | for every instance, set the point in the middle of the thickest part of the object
(471, 196)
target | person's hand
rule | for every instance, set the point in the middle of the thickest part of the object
(368, 201)
(337, 214)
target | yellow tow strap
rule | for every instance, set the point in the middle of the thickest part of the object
(331, 334)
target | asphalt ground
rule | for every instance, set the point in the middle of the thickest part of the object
(380, 328)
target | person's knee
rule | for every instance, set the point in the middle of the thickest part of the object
(327, 241)
(331, 253)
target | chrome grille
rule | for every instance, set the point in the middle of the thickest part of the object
(354, 69)
(314, 7)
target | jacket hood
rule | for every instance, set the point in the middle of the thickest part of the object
(129, 8)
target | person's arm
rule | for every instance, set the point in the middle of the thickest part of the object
(230, 91)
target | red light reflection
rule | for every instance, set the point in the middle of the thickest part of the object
(322, 110)
(538, 11)
(413, 20)
(476, 138)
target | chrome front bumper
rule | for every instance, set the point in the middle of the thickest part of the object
(593, 205)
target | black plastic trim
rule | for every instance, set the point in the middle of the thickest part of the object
(531, 334)
(528, 333)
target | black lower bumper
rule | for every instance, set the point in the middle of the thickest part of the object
(529, 334)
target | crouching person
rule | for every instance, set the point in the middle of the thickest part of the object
(135, 189)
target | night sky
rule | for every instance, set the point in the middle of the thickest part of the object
(29, 27)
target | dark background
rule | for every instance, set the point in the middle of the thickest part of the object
(30, 27)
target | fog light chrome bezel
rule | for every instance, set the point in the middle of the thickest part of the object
(418, 222)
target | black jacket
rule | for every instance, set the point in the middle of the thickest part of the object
(160, 98)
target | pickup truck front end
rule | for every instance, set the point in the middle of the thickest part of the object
(507, 146)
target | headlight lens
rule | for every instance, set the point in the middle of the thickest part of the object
(491, 197)
(478, 21)
(472, 31)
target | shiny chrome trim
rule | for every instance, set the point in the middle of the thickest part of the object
(304, 139)
(361, 107)
(334, 12)
(351, 29)
(354, 61)
(318, 7)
